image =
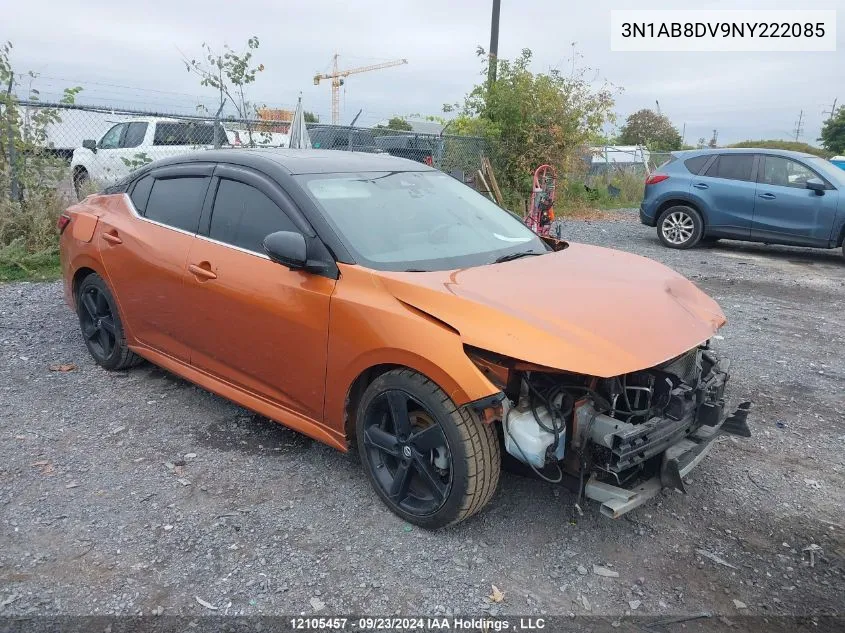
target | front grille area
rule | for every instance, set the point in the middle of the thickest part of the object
(687, 366)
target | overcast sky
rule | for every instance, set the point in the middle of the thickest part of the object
(128, 54)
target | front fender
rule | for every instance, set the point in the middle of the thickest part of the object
(369, 327)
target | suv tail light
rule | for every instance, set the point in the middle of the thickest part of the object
(653, 179)
(62, 222)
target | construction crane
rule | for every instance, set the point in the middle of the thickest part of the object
(337, 76)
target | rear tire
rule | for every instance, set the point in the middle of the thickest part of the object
(101, 326)
(432, 463)
(680, 227)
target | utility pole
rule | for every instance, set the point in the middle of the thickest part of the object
(14, 186)
(832, 111)
(798, 129)
(494, 44)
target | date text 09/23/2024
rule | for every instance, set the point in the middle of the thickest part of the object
(417, 624)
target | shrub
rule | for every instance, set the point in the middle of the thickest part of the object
(29, 176)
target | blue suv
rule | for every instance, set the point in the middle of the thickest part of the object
(759, 195)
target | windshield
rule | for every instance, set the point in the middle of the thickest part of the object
(417, 221)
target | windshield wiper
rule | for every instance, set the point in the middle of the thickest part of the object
(510, 256)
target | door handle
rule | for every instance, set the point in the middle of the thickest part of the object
(203, 271)
(767, 196)
(701, 185)
(112, 238)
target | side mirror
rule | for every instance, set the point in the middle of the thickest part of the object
(816, 184)
(90, 144)
(287, 248)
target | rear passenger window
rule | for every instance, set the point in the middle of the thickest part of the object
(141, 193)
(177, 202)
(695, 164)
(187, 133)
(732, 167)
(243, 216)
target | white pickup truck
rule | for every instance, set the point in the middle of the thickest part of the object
(130, 144)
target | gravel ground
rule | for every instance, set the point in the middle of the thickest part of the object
(136, 492)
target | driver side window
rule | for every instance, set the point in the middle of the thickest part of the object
(111, 139)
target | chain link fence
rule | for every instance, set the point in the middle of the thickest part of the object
(102, 145)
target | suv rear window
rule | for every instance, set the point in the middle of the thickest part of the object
(732, 167)
(186, 133)
(696, 163)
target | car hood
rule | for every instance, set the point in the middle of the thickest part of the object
(584, 309)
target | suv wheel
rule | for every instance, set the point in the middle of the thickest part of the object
(431, 463)
(680, 227)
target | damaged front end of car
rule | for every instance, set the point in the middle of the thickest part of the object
(624, 438)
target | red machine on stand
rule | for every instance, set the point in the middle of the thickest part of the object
(541, 212)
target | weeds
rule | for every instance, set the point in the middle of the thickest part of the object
(28, 238)
(29, 174)
(621, 190)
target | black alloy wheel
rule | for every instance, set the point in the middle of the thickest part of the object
(101, 325)
(97, 321)
(432, 463)
(407, 453)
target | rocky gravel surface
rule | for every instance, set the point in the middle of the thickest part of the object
(138, 493)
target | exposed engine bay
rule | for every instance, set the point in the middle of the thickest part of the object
(623, 438)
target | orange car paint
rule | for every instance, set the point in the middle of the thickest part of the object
(585, 309)
(290, 345)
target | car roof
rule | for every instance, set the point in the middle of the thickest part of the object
(742, 150)
(299, 161)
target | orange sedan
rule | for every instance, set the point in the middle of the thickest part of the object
(370, 301)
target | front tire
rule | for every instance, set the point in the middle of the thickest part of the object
(431, 463)
(101, 326)
(680, 227)
(81, 182)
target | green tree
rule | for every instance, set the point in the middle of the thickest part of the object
(833, 132)
(655, 131)
(229, 72)
(528, 119)
(310, 117)
(398, 123)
